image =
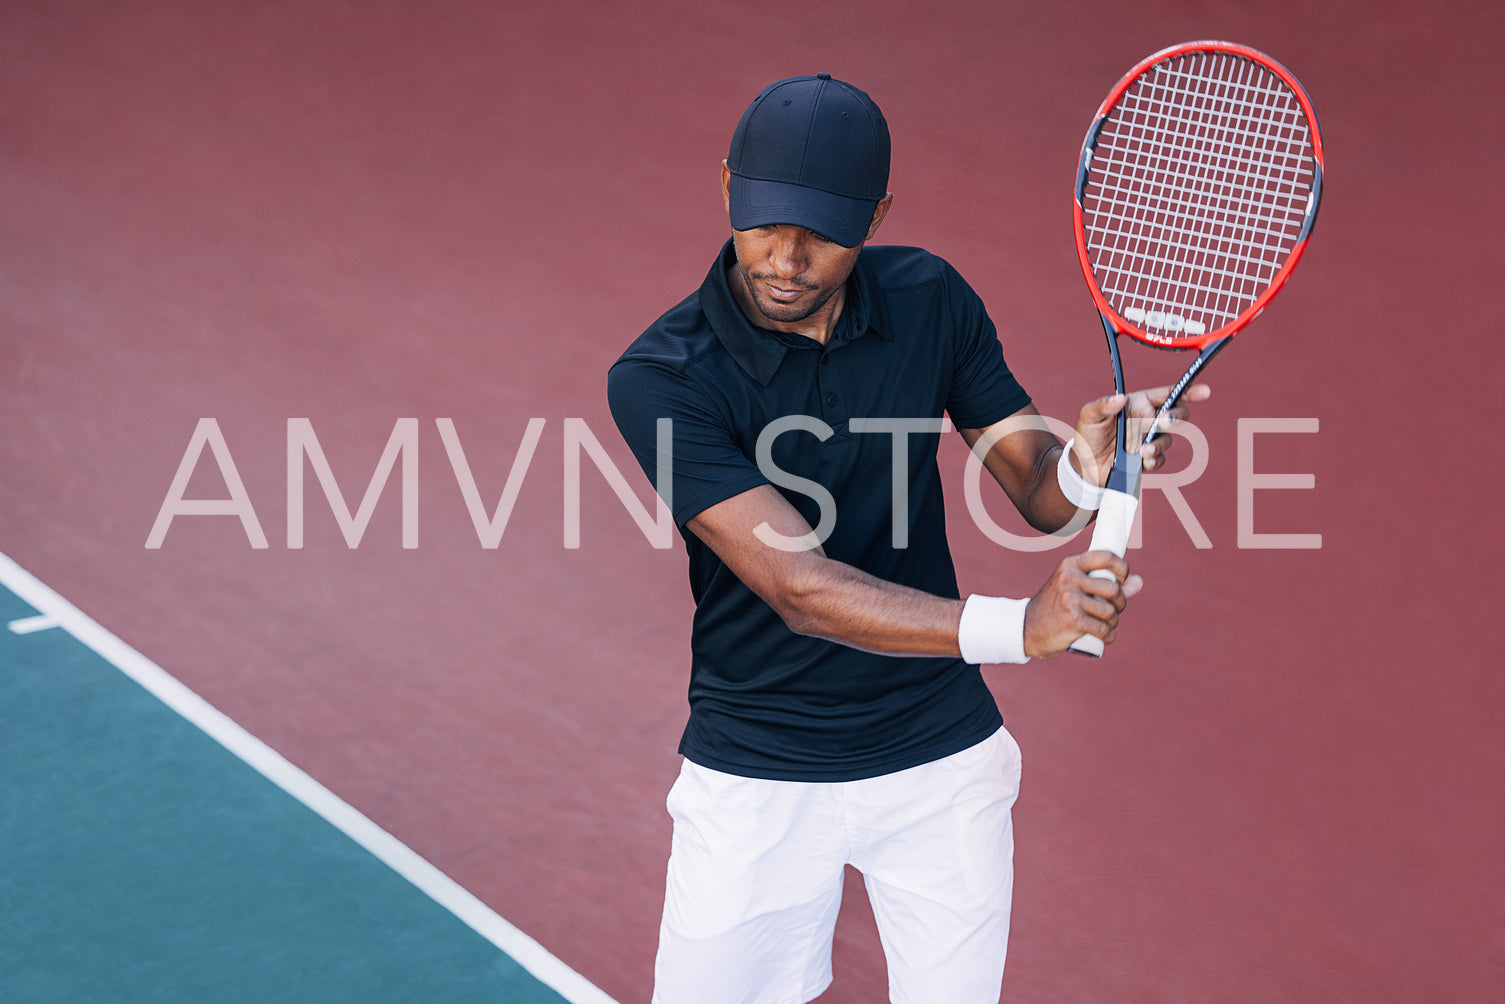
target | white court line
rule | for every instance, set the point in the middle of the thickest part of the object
(31, 625)
(396, 855)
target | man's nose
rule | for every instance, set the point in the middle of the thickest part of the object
(789, 257)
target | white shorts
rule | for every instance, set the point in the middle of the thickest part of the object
(755, 877)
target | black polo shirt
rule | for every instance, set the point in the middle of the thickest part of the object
(913, 343)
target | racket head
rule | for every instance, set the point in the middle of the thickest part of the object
(1197, 189)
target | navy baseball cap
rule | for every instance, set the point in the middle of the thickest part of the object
(813, 152)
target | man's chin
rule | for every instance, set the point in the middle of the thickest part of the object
(783, 315)
(787, 313)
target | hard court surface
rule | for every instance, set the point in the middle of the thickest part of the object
(437, 224)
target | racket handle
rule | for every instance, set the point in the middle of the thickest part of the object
(1115, 520)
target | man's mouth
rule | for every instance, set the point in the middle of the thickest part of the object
(784, 295)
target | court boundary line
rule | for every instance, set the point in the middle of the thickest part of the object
(417, 870)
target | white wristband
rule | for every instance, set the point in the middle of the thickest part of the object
(992, 630)
(1076, 489)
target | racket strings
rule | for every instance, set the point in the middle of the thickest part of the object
(1188, 207)
(1204, 203)
(1241, 142)
(1199, 188)
(1169, 128)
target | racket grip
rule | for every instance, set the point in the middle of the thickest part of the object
(1115, 520)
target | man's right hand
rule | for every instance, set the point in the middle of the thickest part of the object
(1073, 603)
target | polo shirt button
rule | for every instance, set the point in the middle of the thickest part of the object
(831, 400)
(825, 360)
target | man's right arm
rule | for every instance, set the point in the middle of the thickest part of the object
(819, 596)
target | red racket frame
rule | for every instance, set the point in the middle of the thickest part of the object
(1112, 316)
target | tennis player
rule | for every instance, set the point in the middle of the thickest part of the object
(838, 713)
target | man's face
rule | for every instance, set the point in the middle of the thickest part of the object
(791, 274)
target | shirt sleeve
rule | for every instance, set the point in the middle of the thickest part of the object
(983, 390)
(707, 465)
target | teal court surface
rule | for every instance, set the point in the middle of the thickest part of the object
(151, 850)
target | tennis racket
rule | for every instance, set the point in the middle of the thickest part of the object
(1196, 191)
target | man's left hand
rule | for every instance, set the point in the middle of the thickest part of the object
(1097, 426)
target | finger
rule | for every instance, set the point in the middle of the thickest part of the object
(1166, 422)
(1103, 591)
(1104, 408)
(1156, 396)
(1153, 453)
(1143, 403)
(1098, 609)
(1197, 392)
(1097, 628)
(1100, 616)
(1161, 439)
(1090, 561)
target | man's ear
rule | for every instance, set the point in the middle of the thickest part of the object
(726, 187)
(879, 211)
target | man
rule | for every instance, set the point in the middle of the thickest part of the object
(838, 713)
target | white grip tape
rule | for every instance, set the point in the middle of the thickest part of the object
(1115, 520)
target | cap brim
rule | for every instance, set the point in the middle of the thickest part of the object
(764, 203)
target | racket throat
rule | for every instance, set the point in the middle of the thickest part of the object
(1127, 465)
(1125, 476)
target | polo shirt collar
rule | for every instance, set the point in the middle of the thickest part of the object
(759, 351)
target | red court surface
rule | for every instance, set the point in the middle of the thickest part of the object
(1282, 785)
